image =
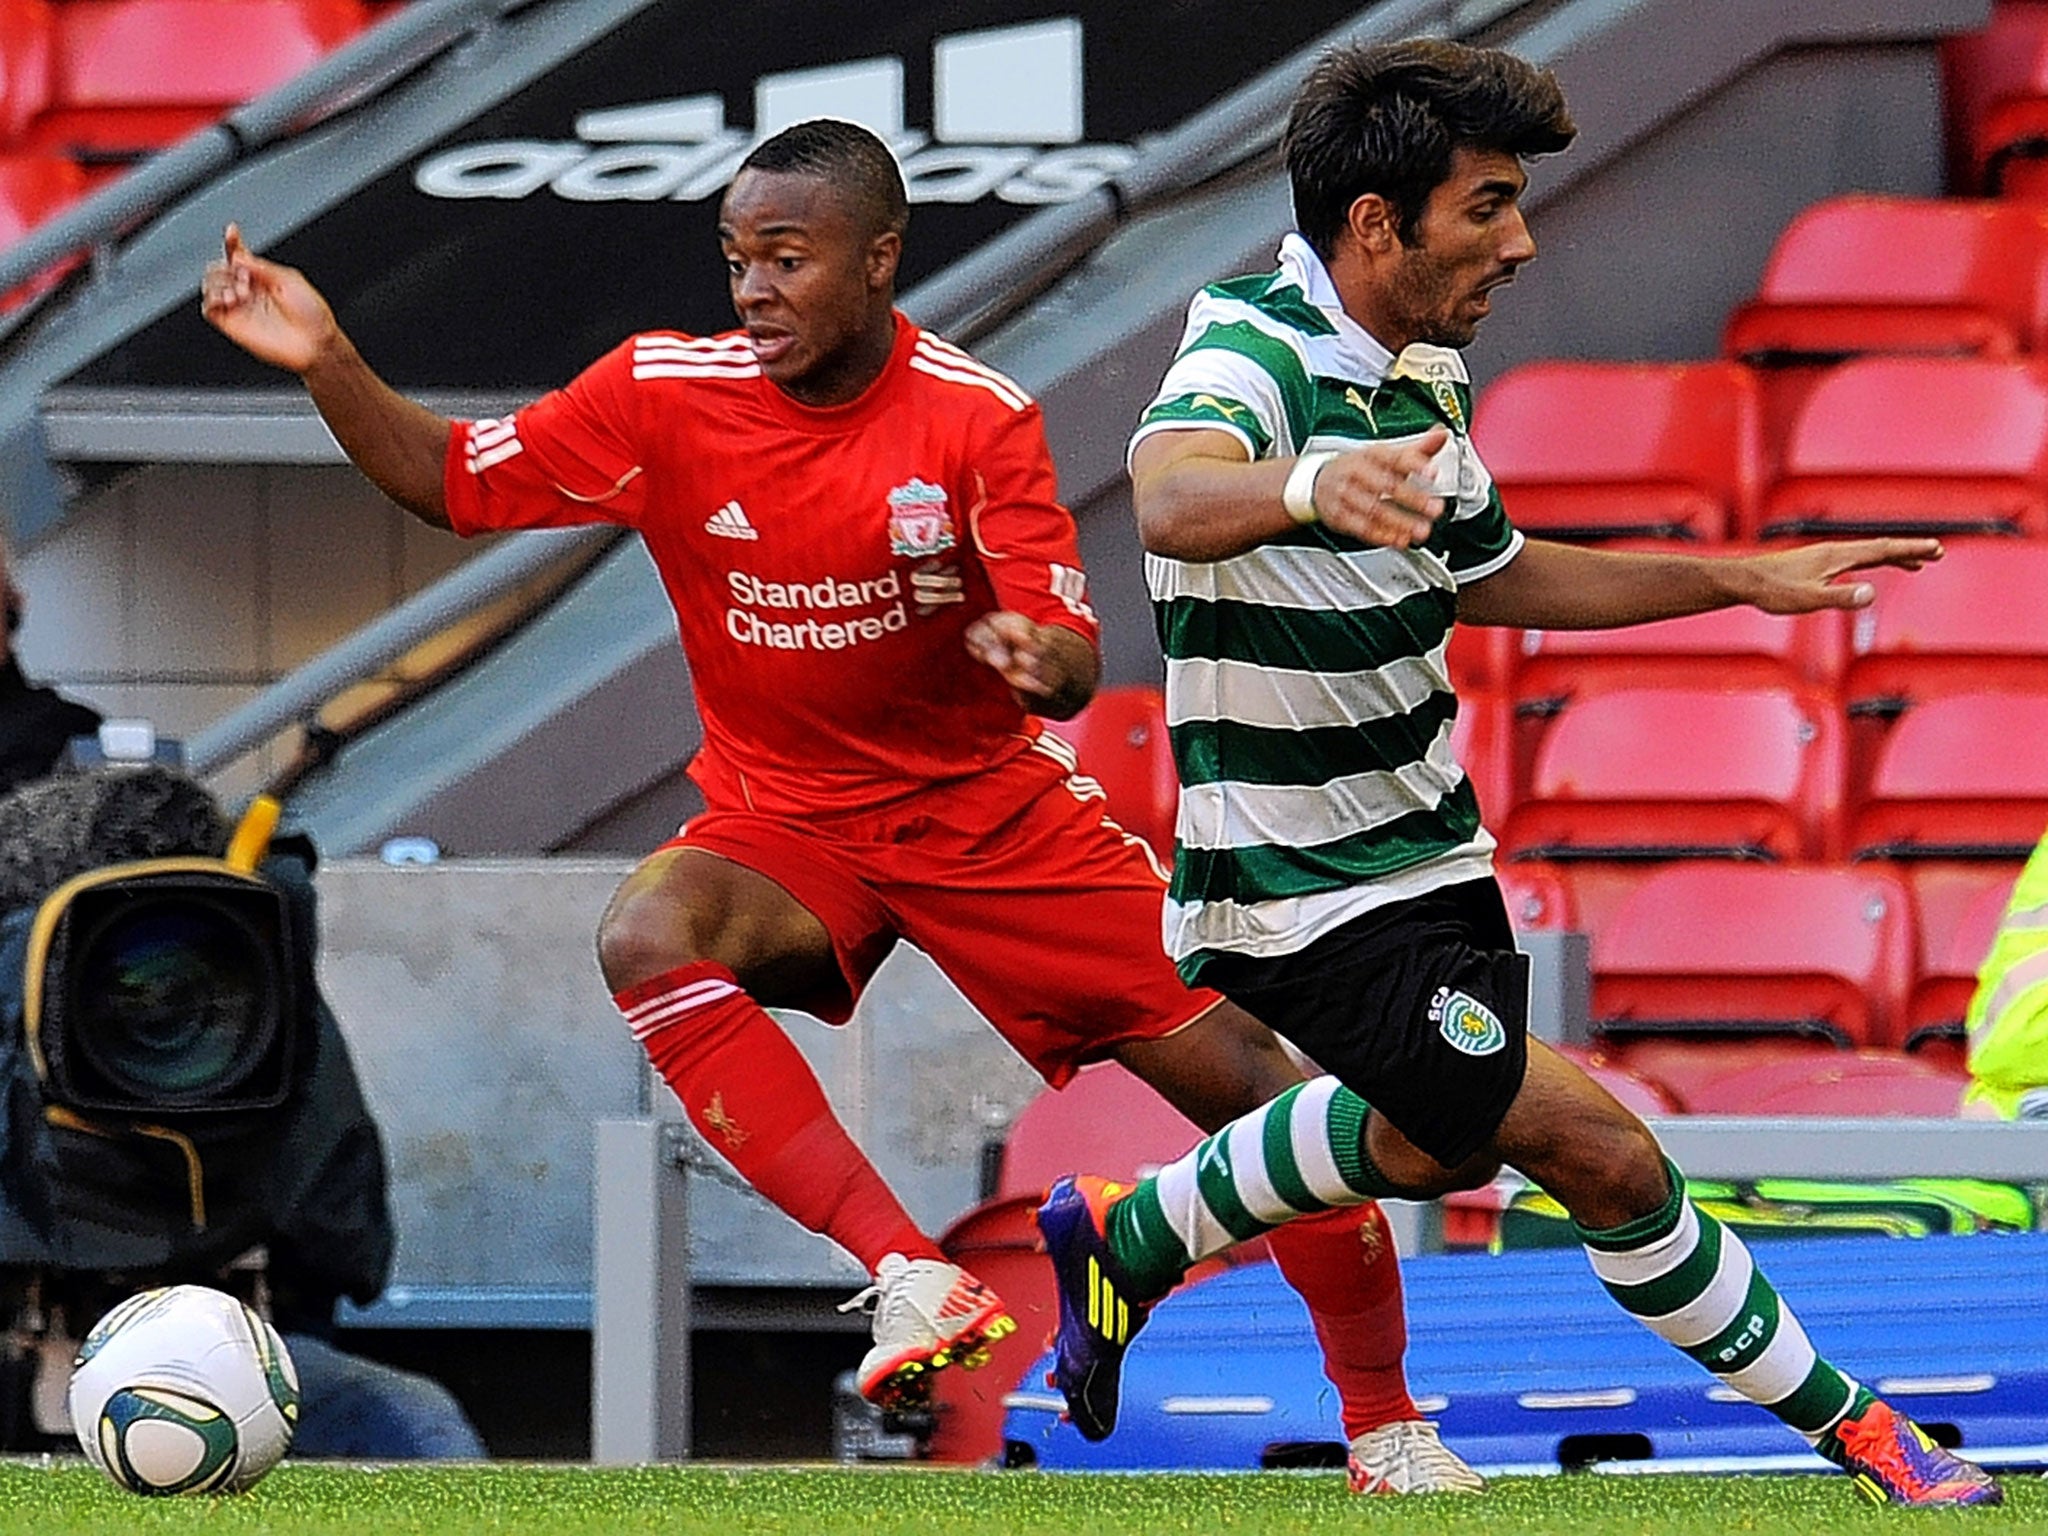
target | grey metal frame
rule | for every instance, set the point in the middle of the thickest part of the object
(640, 1324)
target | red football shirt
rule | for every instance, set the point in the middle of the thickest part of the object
(824, 564)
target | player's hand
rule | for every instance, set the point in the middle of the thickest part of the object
(1382, 494)
(1019, 651)
(270, 311)
(1803, 579)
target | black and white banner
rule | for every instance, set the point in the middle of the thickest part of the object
(583, 208)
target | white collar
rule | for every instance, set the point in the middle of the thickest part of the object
(1361, 355)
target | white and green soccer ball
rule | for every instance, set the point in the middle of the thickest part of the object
(184, 1390)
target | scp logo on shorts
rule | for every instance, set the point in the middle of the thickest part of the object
(1467, 1023)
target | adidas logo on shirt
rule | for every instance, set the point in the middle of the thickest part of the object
(729, 522)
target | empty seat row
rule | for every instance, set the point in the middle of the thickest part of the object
(1834, 955)
(1867, 273)
(1643, 811)
(1996, 89)
(107, 81)
(1946, 445)
(1976, 619)
(1930, 928)
(1673, 772)
(1774, 1077)
(1111, 1123)
(1759, 773)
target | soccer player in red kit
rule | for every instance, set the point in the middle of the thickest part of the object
(877, 590)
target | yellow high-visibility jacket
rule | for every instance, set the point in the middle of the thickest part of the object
(2008, 1018)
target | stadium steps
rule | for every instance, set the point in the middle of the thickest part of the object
(1528, 1366)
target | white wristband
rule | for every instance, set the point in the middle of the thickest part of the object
(1298, 495)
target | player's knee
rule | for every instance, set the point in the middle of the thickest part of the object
(1635, 1169)
(1615, 1168)
(1413, 1173)
(643, 933)
(1474, 1173)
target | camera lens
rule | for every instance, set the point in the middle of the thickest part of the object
(172, 999)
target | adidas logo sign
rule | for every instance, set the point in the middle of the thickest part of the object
(1006, 124)
(729, 522)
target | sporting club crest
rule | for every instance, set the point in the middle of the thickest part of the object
(1466, 1023)
(1439, 371)
(919, 523)
(1447, 401)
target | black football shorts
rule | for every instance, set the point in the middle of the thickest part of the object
(1420, 1007)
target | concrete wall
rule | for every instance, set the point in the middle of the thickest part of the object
(471, 1000)
(178, 592)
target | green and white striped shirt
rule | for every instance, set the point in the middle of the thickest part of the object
(1306, 691)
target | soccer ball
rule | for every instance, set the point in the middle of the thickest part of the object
(183, 1390)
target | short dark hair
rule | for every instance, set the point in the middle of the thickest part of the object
(848, 156)
(1387, 118)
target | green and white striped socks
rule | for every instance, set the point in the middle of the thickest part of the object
(1304, 1152)
(1690, 1281)
(1678, 1271)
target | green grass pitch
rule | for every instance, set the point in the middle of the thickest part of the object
(67, 1497)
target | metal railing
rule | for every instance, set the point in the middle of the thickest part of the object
(301, 694)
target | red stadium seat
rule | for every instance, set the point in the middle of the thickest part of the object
(1538, 900)
(1965, 776)
(32, 188)
(1863, 274)
(1122, 743)
(1480, 657)
(1916, 444)
(998, 1243)
(1671, 772)
(1728, 648)
(1598, 888)
(1849, 1083)
(25, 51)
(1105, 1121)
(1687, 1070)
(1482, 740)
(1997, 92)
(1611, 450)
(132, 76)
(1976, 620)
(1957, 908)
(1707, 948)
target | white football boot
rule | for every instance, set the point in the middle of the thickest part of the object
(1407, 1456)
(928, 1314)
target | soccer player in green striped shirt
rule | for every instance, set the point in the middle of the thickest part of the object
(1316, 520)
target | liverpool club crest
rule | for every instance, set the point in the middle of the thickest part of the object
(919, 524)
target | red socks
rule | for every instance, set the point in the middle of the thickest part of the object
(754, 1098)
(1343, 1264)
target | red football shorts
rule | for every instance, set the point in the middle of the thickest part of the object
(1041, 910)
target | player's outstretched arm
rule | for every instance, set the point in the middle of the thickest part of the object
(1561, 586)
(273, 313)
(1199, 498)
(1052, 670)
